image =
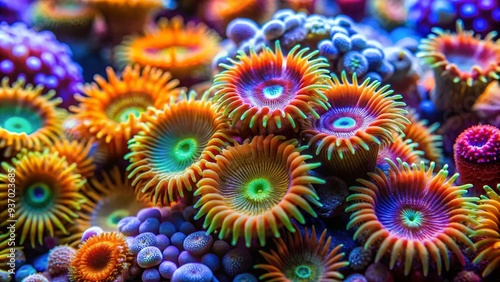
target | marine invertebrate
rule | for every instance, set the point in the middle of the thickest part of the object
(68, 18)
(104, 257)
(488, 230)
(192, 272)
(125, 17)
(78, 153)
(360, 258)
(272, 90)
(347, 136)
(424, 135)
(477, 157)
(198, 243)
(149, 257)
(47, 194)
(411, 214)
(168, 156)
(39, 59)
(303, 258)
(221, 12)
(28, 119)
(463, 66)
(487, 106)
(111, 109)
(237, 261)
(59, 259)
(185, 50)
(253, 189)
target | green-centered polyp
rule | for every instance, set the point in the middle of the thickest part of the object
(253, 189)
(168, 156)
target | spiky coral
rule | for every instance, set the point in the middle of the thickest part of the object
(169, 155)
(28, 119)
(463, 65)
(477, 156)
(103, 257)
(272, 90)
(184, 50)
(488, 231)
(303, 258)
(362, 117)
(77, 153)
(111, 197)
(64, 17)
(111, 109)
(419, 132)
(47, 194)
(412, 214)
(253, 189)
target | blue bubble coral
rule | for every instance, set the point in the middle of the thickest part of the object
(149, 257)
(192, 272)
(198, 243)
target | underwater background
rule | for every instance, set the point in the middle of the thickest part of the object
(249, 140)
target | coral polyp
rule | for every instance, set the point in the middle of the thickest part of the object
(303, 258)
(463, 64)
(362, 117)
(104, 257)
(401, 148)
(185, 50)
(47, 194)
(65, 17)
(253, 189)
(169, 155)
(28, 119)
(477, 156)
(111, 109)
(412, 215)
(272, 90)
(488, 231)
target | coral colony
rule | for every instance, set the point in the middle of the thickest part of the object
(249, 140)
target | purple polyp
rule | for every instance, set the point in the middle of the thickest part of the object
(6, 66)
(19, 51)
(33, 63)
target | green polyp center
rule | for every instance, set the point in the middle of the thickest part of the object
(18, 125)
(303, 271)
(38, 195)
(185, 149)
(124, 115)
(130, 104)
(344, 122)
(258, 189)
(16, 119)
(116, 216)
(273, 91)
(412, 218)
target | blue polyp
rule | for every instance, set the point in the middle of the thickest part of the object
(468, 10)
(327, 50)
(273, 29)
(273, 91)
(19, 51)
(495, 14)
(39, 78)
(33, 63)
(342, 42)
(486, 4)
(479, 24)
(51, 81)
(6, 66)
